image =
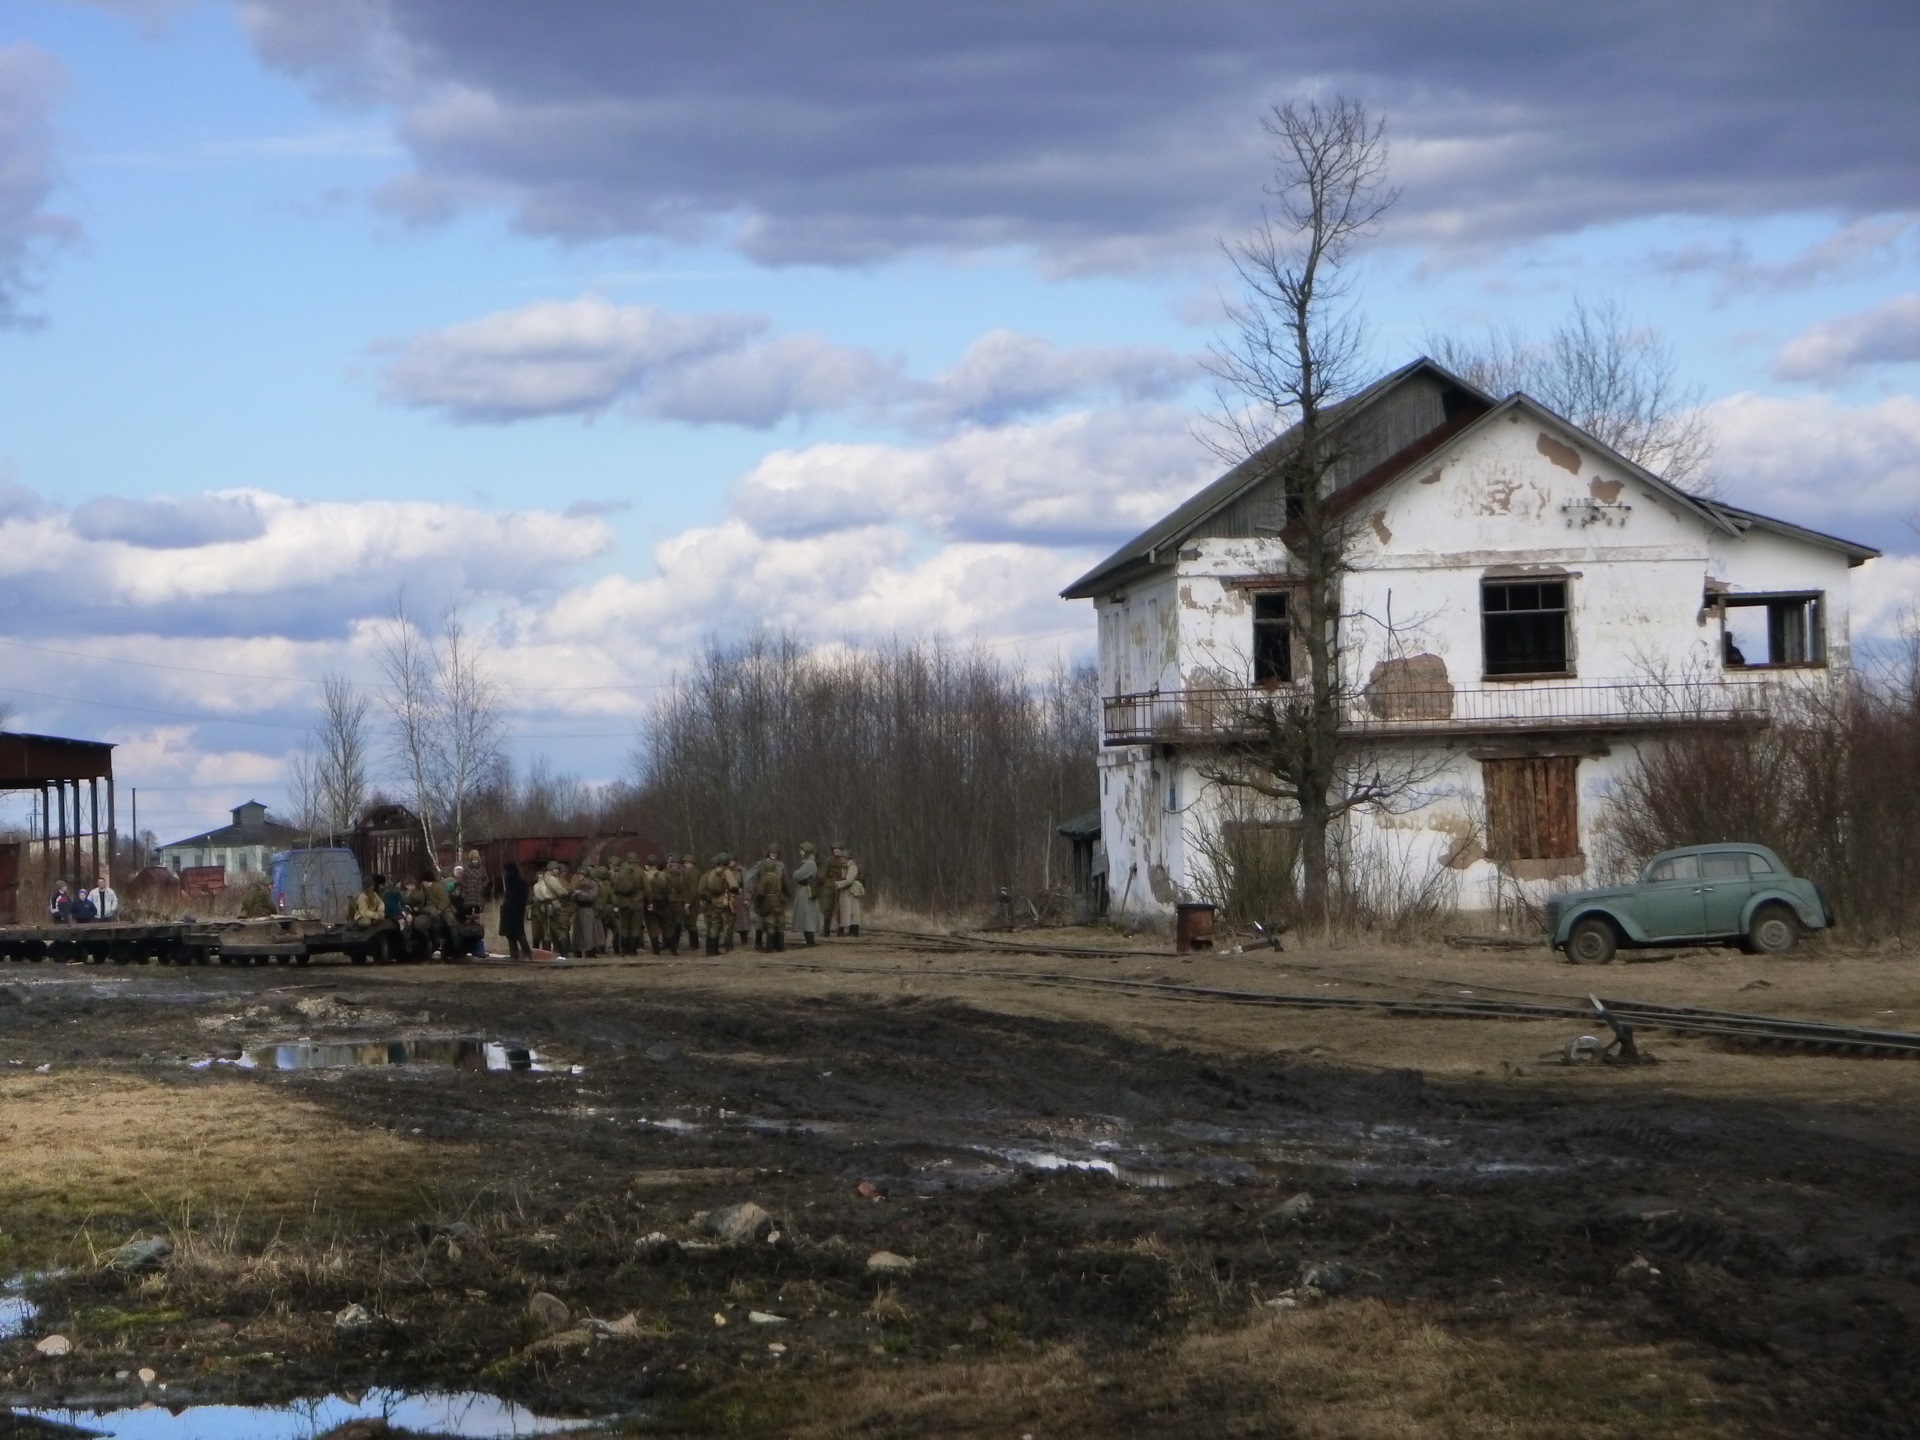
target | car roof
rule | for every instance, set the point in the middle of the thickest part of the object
(1718, 847)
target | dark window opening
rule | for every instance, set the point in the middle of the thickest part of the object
(1272, 638)
(1524, 625)
(1759, 631)
(1533, 808)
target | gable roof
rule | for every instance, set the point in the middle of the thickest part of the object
(1143, 550)
(1255, 470)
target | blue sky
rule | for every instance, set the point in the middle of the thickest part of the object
(627, 329)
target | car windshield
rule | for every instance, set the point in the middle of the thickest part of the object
(1674, 867)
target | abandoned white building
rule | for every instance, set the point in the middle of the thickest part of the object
(241, 849)
(1526, 608)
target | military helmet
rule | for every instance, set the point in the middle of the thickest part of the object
(806, 847)
(722, 858)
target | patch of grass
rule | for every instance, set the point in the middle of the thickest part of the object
(1355, 1371)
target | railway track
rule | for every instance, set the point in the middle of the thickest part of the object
(1732, 1025)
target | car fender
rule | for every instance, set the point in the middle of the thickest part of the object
(1628, 927)
(1809, 913)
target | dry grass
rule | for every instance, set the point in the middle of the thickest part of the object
(92, 1151)
(1353, 1371)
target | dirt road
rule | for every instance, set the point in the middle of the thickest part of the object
(1094, 1198)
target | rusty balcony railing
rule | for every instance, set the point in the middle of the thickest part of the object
(1221, 716)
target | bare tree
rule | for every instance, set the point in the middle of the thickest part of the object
(1293, 351)
(339, 756)
(1616, 380)
(445, 727)
(408, 663)
(470, 727)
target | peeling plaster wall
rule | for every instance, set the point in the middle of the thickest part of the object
(1514, 497)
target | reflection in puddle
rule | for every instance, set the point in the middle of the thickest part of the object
(16, 1313)
(471, 1415)
(458, 1054)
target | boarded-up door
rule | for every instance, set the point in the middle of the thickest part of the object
(1533, 808)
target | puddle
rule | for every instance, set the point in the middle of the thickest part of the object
(16, 1313)
(457, 1054)
(470, 1415)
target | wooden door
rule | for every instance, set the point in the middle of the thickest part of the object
(1533, 807)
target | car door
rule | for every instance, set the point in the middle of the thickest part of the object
(1668, 902)
(1724, 891)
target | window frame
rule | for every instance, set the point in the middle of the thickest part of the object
(1567, 668)
(1285, 624)
(1815, 607)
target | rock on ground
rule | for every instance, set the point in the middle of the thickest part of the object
(737, 1224)
(549, 1311)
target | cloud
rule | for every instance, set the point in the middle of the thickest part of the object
(169, 523)
(1821, 463)
(587, 356)
(31, 84)
(555, 357)
(1888, 334)
(1861, 247)
(253, 563)
(834, 134)
(1087, 479)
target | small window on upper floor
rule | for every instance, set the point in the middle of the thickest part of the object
(1272, 638)
(1772, 631)
(1524, 626)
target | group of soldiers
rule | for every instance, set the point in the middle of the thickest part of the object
(626, 905)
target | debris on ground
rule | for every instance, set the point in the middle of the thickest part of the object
(738, 1224)
(1328, 1277)
(765, 1317)
(354, 1318)
(885, 1262)
(140, 1254)
(1294, 1208)
(549, 1311)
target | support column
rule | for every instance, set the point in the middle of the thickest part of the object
(113, 836)
(93, 803)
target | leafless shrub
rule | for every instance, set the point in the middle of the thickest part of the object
(1831, 783)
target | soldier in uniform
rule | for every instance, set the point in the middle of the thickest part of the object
(742, 904)
(629, 901)
(843, 875)
(772, 894)
(681, 884)
(715, 892)
(552, 908)
(806, 893)
(653, 902)
(432, 915)
(603, 907)
(589, 938)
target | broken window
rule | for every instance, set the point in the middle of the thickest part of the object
(1272, 638)
(1524, 626)
(1771, 630)
(1533, 807)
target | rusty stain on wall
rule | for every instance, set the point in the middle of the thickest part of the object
(1161, 883)
(1605, 491)
(1565, 456)
(1379, 522)
(1497, 498)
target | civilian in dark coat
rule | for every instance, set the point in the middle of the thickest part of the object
(513, 914)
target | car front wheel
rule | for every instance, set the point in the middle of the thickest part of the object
(1773, 931)
(1592, 943)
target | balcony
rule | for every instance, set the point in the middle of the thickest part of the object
(1224, 716)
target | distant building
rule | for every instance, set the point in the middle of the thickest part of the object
(241, 849)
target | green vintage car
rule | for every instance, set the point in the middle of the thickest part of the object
(1702, 892)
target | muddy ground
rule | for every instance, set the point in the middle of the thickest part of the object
(1097, 1193)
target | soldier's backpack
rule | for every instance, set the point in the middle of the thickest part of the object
(770, 884)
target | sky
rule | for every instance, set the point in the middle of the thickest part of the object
(629, 328)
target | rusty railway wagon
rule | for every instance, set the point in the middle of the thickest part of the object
(205, 942)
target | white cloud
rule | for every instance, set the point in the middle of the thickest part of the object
(1816, 461)
(1887, 334)
(1091, 478)
(587, 356)
(31, 83)
(1886, 598)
